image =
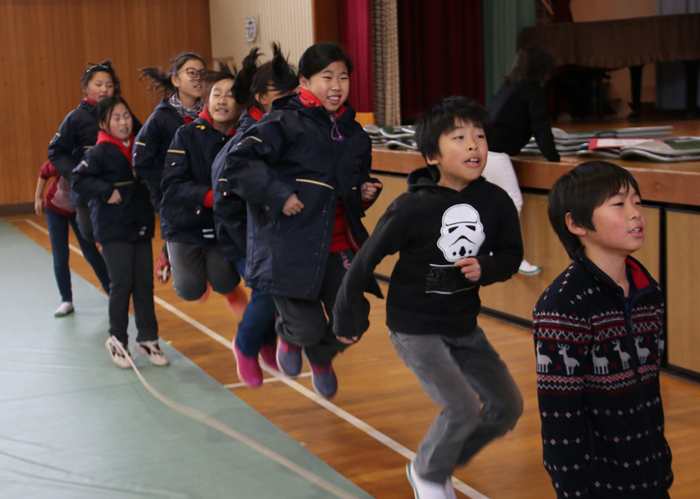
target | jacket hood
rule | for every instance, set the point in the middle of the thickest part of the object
(422, 179)
(292, 102)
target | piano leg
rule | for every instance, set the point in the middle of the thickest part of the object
(691, 87)
(636, 81)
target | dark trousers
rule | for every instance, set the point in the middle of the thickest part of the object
(193, 265)
(304, 323)
(58, 226)
(130, 266)
(82, 216)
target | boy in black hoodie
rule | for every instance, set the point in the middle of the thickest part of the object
(455, 232)
(599, 339)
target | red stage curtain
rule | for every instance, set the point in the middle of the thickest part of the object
(440, 52)
(355, 35)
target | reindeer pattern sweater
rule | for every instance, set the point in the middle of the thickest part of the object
(598, 356)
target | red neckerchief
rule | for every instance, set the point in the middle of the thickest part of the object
(310, 100)
(103, 136)
(255, 113)
(639, 278)
(207, 117)
(89, 101)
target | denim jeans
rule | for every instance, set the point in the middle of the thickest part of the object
(193, 265)
(479, 398)
(258, 325)
(58, 234)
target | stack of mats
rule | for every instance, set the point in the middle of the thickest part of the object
(393, 137)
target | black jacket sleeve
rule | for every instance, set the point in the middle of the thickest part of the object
(179, 186)
(61, 148)
(541, 127)
(87, 179)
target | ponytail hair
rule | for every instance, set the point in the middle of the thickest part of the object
(161, 82)
(276, 73)
(317, 57)
(224, 73)
(244, 78)
(104, 66)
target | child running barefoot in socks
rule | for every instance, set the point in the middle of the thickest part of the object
(124, 223)
(60, 215)
(454, 232)
(304, 170)
(255, 89)
(519, 111)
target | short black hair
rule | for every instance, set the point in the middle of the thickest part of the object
(104, 108)
(106, 67)
(579, 192)
(532, 65)
(317, 57)
(441, 118)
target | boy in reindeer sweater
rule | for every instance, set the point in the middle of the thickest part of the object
(599, 338)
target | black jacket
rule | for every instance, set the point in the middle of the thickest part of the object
(230, 210)
(105, 168)
(432, 227)
(517, 113)
(290, 150)
(598, 360)
(75, 136)
(151, 147)
(186, 181)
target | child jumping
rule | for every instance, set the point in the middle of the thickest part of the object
(454, 232)
(124, 224)
(599, 336)
(519, 111)
(304, 170)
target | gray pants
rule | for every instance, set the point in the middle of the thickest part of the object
(479, 398)
(193, 265)
(130, 267)
(82, 216)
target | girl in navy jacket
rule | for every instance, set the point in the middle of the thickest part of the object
(256, 88)
(124, 223)
(304, 170)
(182, 88)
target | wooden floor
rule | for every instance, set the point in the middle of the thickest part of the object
(378, 390)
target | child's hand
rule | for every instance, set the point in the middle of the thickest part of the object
(369, 190)
(470, 268)
(292, 205)
(569, 159)
(348, 341)
(115, 198)
(38, 207)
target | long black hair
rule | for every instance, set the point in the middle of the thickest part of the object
(161, 83)
(244, 77)
(532, 64)
(104, 66)
(277, 74)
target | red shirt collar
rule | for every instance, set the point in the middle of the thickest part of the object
(255, 113)
(207, 117)
(89, 101)
(103, 136)
(640, 279)
(310, 100)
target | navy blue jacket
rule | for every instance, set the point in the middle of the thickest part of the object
(230, 210)
(105, 168)
(151, 147)
(75, 136)
(290, 150)
(186, 180)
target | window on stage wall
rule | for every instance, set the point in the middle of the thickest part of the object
(440, 52)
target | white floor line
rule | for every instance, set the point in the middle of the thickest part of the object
(358, 423)
(266, 380)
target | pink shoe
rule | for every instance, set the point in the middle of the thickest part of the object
(268, 354)
(248, 368)
(237, 301)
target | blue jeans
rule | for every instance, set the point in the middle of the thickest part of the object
(58, 234)
(258, 325)
(479, 398)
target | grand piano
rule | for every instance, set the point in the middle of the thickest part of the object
(629, 43)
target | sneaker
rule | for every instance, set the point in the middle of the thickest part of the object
(423, 489)
(528, 268)
(66, 308)
(163, 267)
(288, 359)
(118, 352)
(248, 368)
(324, 380)
(153, 351)
(450, 489)
(237, 301)
(268, 354)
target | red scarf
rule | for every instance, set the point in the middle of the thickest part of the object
(255, 113)
(207, 117)
(103, 136)
(89, 101)
(310, 100)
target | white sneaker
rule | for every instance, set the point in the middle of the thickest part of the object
(423, 489)
(66, 308)
(153, 351)
(118, 352)
(450, 489)
(528, 268)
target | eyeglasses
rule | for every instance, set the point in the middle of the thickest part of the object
(194, 74)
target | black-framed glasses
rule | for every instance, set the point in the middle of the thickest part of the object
(194, 74)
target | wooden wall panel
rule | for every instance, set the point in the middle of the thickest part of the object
(46, 44)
